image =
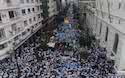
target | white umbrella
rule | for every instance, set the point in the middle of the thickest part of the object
(50, 44)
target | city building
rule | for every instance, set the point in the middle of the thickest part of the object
(19, 19)
(106, 19)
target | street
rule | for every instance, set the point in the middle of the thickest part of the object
(61, 59)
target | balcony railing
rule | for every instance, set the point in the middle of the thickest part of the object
(14, 18)
(3, 38)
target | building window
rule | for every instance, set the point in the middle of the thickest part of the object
(11, 14)
(34, 18)
(38, 16)
(16, 13)
(119, 6)
(106, 37)
(23, 33)
(30, 20)
(0, 18)
(41, 14)
(25, 23)
(14, 27)
(28, 30)
(33, 9)
(23, 11)
(116, 41)
(2, 46)
(37, 8)
(2, 34)
(41, 7)
(29, 10)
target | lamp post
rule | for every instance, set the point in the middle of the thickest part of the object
(16, 60)
(108, 4)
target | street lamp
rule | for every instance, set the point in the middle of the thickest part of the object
(108, 4)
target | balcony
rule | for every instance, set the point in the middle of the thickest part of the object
(14, 19)
(2, 39)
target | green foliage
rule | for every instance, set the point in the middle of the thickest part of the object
(86, 39)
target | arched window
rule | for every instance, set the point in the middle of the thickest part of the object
(107, 31)
(119, 5)
(100, 28)
(0, 18)
(116, 41)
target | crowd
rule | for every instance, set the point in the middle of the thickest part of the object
(31, 61)
(97, 64)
